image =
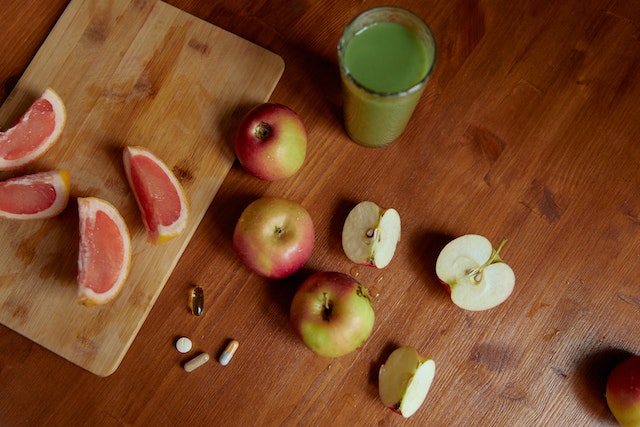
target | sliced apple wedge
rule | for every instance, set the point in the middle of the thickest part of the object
(474, 273)
(370, 234)
(404, 380)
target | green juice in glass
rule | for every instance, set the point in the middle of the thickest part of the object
(384, 66)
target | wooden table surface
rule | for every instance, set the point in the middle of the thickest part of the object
(529, 129)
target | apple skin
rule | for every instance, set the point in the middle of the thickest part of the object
(274, 237)
(341, 329)
(271, 142)
(623, 392)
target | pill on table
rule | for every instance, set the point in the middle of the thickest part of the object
(197, 301)
(184, 344)
(196, 362)
(228, 352)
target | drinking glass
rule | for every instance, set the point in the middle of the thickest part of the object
(386, 55)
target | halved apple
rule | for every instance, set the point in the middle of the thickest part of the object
(404, 380)
(370, 234)
(474, 273)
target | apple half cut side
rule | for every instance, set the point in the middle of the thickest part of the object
(404, 380)
(370, 234)
(474, 273)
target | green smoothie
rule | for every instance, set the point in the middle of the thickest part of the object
(386, 58)
(384, 67)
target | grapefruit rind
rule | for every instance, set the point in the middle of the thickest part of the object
(88, 208)
(156, 231)
(7, 159)
(36, 187)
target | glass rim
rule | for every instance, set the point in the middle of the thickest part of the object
(416, 86)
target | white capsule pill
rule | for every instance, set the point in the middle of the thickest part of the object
(184, 345)
(196, 362)
(228, 352)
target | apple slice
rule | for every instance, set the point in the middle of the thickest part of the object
(370, 234)
(474, 273)
(404, 380)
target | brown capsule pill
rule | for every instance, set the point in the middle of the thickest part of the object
(196, 362)
(197, 301)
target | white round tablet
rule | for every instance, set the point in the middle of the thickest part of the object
(184, 344)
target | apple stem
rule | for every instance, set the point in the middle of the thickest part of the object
(476, 273)
(262, 131)
(327, 305)
(496, 253)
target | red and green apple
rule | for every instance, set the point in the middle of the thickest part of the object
(623, 392)
(271, 141)
(332, 313)
(274, 237)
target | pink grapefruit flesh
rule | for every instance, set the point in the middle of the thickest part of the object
(105, 251)
(158, 192)
(36, 196)
(34, 133)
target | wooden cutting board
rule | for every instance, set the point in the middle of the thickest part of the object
(131, 72)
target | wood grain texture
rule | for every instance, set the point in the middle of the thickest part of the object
(529, 129)
(131, 73)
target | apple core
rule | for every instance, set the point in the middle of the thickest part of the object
(477, 273)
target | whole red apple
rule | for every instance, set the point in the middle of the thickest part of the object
(271, 142)
(623, 392)
(332, 313)
(274, 237)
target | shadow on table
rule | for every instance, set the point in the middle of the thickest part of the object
(592, 373)
(425, 248)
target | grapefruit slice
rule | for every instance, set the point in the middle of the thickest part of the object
(158, 192)
(104, 257)
(36, 196)
(34, 133)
